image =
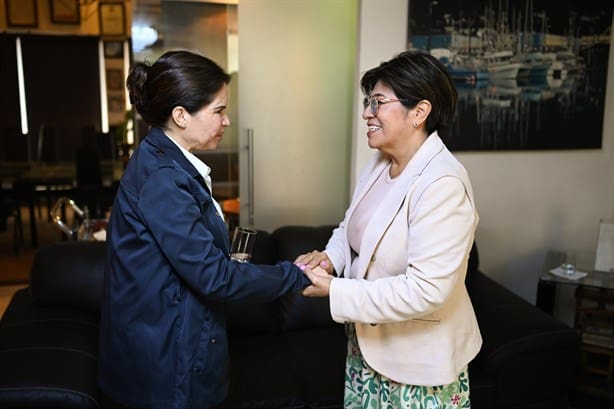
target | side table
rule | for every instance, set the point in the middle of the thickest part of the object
(546, 287)
(594, 319)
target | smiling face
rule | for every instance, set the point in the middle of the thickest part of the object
(204, 129)
(390, 127)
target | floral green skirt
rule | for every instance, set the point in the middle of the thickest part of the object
(367, 389)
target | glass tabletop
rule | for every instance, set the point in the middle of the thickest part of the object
(596, 279)
(593, 278)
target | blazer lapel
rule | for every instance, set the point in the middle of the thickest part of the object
(393, 201)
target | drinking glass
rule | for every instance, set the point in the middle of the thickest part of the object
(569, 263)
(242, 246)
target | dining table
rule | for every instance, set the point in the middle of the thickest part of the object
(55, 179)
(31, 181)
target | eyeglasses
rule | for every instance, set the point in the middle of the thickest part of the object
(374, 102)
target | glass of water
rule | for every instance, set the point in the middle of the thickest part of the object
(242, 246)
(568, 264)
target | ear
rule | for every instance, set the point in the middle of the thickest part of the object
(179, 115)
(421, 112)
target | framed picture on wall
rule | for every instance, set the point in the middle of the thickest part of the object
(65, 11)
(117, 108)
(112, 19)
(529, 75)
(116, 103)
(21, 13)
(115, 79)
(113, 49)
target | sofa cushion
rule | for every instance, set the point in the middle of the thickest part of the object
(482, 388)
(47, 355)
(319, 353)
(288, 242)
(262, 253)
(69, 273)
(260, 374)
(251, 319)
(48, 378)
(299, 313)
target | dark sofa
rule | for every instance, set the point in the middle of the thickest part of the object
(284, 354)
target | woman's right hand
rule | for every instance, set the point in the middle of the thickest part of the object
(314, 259)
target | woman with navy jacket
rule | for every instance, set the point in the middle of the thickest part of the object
(168, 275)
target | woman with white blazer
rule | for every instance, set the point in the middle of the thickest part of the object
(394, 269)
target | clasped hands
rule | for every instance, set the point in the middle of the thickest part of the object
(318, 268)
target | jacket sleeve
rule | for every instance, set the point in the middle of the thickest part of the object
(441, 229)
(180, 223)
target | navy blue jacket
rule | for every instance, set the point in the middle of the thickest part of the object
(168, 277)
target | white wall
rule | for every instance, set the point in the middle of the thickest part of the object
(296, 71)
(382, 33)
(529, 202)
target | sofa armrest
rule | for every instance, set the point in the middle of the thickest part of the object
(516, 336)
(511, 325)
(69, 274)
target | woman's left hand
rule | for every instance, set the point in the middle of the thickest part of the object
(320, 283)
(314, 259)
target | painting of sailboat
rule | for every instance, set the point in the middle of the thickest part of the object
(530, 74)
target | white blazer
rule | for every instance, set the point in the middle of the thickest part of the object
(414, 320)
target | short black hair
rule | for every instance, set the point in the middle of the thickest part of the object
(415, 76)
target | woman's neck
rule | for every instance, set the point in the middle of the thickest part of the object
(400, 158)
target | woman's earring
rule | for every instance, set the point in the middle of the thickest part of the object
(415, 124)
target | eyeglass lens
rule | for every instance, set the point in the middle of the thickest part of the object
(373, 103)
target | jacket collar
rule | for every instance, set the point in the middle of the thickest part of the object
(393, 201)
(164, 145)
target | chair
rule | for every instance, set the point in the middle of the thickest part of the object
(11, 209)
(89, 191)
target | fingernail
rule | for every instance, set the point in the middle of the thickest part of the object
(302, 267)
(324, 263)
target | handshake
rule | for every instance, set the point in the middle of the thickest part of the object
(318, 268)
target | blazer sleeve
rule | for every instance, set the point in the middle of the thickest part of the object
(174, 217)
(441, 228)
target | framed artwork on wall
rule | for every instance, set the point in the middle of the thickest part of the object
(115, 79)
(117, 108)
(113, 49)
(530, 74)
(116, 103)
(21, 13)
(65, 11)
(112, 19)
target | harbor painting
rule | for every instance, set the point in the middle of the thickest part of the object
(530, 74)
